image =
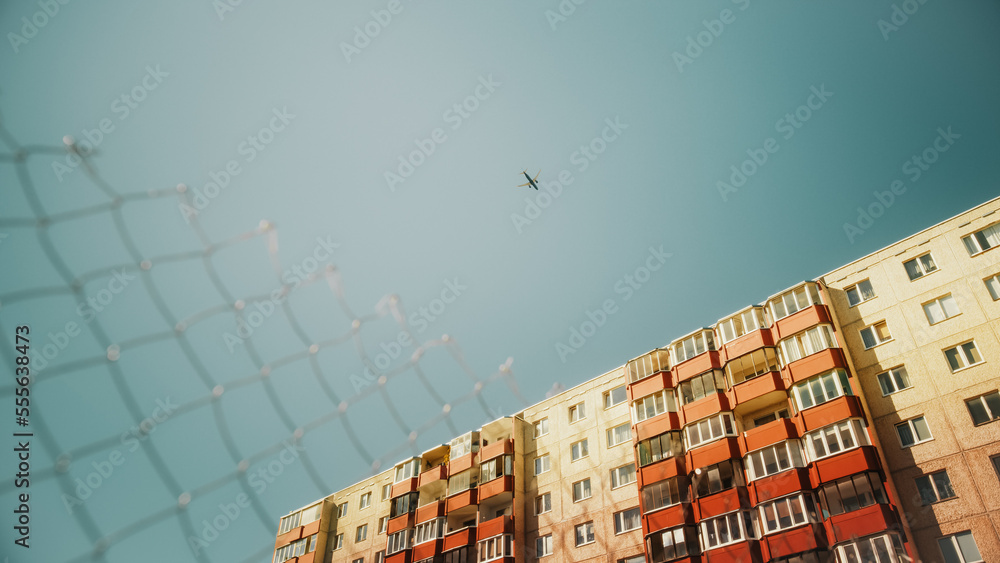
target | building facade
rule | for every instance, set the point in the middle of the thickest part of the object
(845, 419)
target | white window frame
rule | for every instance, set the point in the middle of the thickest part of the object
(860, 293)
(897, 377)
(342, 509)
(935, 487)
(677, 492)
(616, 436)
(365, 501)
(621, 520)
(407, 470)
(982, 240)
(963, 557)
(495, 548)
(872, 329)
(993, 286)
(545, 463)
(941, 306)
(361, 533)
(617, 475)
(889, 542)
(921, 266)
(541, 427)
(383, 524)
(586, 532)
(821, 389)
(543, 501)
(543, 545)
(609, 400)
(289, 522)
(804, 504)
(806, 343)
(692, 346)
(712, 437)
(399, 541)
(746, 524)
(386, 492)
(795, 300)
(645, 366)
(962, 355)
(585, 489)
(578, 412)
(338, 542)
(579, 450)
(837, 434)
(429, 531)
(741, 324)
(784, 455)
(993, 413)
(911, 423)
(653, 405)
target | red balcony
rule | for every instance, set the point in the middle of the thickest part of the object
(459, 538)
(859, 523)
(433, 474)
(430, 511)
(496, 449)
(400, 522)
(722, 502)
(499, 525)
(853, 461)
(403, 487)
(829, 412)
(461, 464)
(401, 557)
(656, 382)
(769, 434)
(797, 322)
(499, 485)
(712, 404)
(781, 484)
(310, 529)
(657, 425)
(697, 365)
(462, 499)
(748, 343)
(307, 558)
(670, 517)
(427, 550)
(757, 387)
(815, 364)
(288, 537)
(715, 452)
(796, 540)
(742, 552)
(663, 469)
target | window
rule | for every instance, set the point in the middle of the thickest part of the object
(295, 549)
(380, 557)
(616, 396)
(619, 435)
(541, 427)
(398, 542)
(361, 534)
(875, 334)
(769, 417)
(383, 524)
(660, 447)
(627, 520)
(542, 464)
(543, 546)
(365, 502)
(806, 343)
(719, 477)
(581, 490)
(774, 459)
(577, 412)
(920, 266)
(851, 493)
(701, 386)
(728, 528)
(289, 522)
(822, 388)
(885, 548)
(653, 362)
(963, 356)
(311, 514)
(934, 487)
(985, 408)
(693, 346)
(579, 450)
(981, 241)
(338, 542)
(785, 512)
(794, 301)
(860, 293)
(543, 503)
(634, 559)
(835, 438)
(653, 405)
(960, 548)
(342, 510)
(386, 491)
(584, 533)
(669, 544)
(358, 560)
(408, 470)
(667, 492)
(749, 366)
(462, 481)
(429, 531)
(893, 380)
(743, 323)
(496, 548)
(404, 504)
(463, 445)
(495, 468)
(623, 475)
(940, 309)
(913, 431)
(709, 429)
(993, 285)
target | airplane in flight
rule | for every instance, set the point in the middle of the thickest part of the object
(530, 181)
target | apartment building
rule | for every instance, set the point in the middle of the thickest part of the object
(847, 418)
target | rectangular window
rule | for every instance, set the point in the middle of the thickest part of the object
(383, 524)
(963, 356)
(875, 334)
(774, 459)
(960, 548)
(619, 435)
(338, 542)
(496, 548)
(935, 487)
(616, 396)
(654, 362)
(885, 548)
(851, 493)
(836, 438)
(821, 389)
(495, 468)
(860, 293)
(981, 241)
(719, 477)
(664, 493)
(726, 529)
(463, 481)
(289, 522)
(386, 491)
(380, 557)
(701, 386)
(541, 427)
(668, 544)
(985, 408)
(404, 504)
(584, 533)
(653, 405)
(785, 513)
(627, 520)
(542, 464)
(749, 366)
(893, 380)
(365, 502)
(543, 503)
(358, 560)
(920, 266)
(634, 559)
(744, 323)
(342, 510)
(621, 476)
(461, 446)
(581, 490)
(408, 470)
(577, 412)
(794, 301)
(361, 534)
(543, 545)
(769, 417)
(710, 429)
(429, 531)
(398, 542)
(942, 308)
(913, 431)
(806, 343)
(579, 450)
(660, 447)
(993, 286)
(693, 346)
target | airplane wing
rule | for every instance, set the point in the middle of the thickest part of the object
(522, 185)
(536, 176)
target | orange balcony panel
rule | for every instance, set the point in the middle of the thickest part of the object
(499, 525)
(433, 474)
(657, 425)
(742, 552)
(717, 451)
(400, 522)
(768, 434)
(664, 469)
(758, 387)
(859, 523)
(784, 483)
(496, 449)
(722, 502)
(650, 385)
(461, 464)
(288, 537)
(403, 487)
(459, 538)
(829, 412)
(401, 557)
(669, 517)
(697, 365)
(714, 403)
(426, 550)
(310, 529)
(796, 540)
(430, 511)
(499, 485)
(748, 343)
(462, 499)
(854, 461)
(797, 322)
(815, 364)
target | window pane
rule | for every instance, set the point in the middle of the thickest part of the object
(978, 411)
(905, 434)
(928, 263)
(953, 361)
(921, 428)
(868, 337)
(950, 306)
(967, 544)
(993, 285)
(912, 269)
(943, 485)
(993, 402)
(934, 312)
(971, 353)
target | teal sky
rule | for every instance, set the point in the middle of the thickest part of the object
(519, 279)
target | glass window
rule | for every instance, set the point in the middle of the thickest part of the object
(981, 241)
(616, 396)
(940, 309)
(727, 529)
(405, 504)
(664, 493)
(963, 356)
(960, 548)
(622, 475)
(289, 522)
(851, 493)
(463, 481)
(541, 427)
(794, 301)
(653, 405)
(860, 293)
(495, 468)
(496, 548)
(743, 323)
(715, 478)
(386, 491)
(934, 487)
(338, 541)
(542, 464)
(543, 503)
(365, 501)
(361, 534)
(835, 438)
(806, 343)
(543, 545)
(653, 362)
(577, 412)
(342, 510)
(993, 286)
(985, 408)
(752, 365)
(710, 429)
(660, 447)
(692, 346)
(701, 386)
(884, 548)
(822, 388)
(581, 490)
(429, 531)
(579, 450)
(876, 334)
(669, 544)
(619, 435)
(786, 512)
(383, 524)
(627, 520)
(920, 266)
(584, 533)
(893, 380)
(408, 470)
(463, 445)
(774, 459)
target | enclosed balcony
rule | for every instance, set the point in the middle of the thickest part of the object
(646, 365)
(463, 452)
(496, 477)
(496, 525)
(788, 303)
(462, 489)
(769, 429)
(459, 538)
(745, 331)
